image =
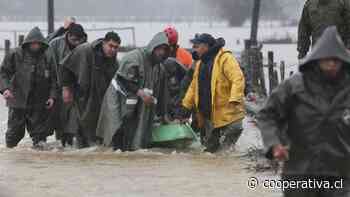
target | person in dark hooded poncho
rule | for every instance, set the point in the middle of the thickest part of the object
(66, 122)
(306, 120)
(28, 83)
(136, 95)
(86, 75)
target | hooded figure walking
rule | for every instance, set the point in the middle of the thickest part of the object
(86, 75)
(306, 121)
(136, 95)
(28, 83)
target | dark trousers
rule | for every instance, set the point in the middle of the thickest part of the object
(230, 132)
(38, 123)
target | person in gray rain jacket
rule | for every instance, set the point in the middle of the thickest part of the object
(137, 93)
(306, 121)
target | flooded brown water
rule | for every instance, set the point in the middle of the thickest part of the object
(104, 174)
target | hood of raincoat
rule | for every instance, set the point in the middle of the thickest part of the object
(158, 40)
(330, 45)
(35, 35)
(139, 58)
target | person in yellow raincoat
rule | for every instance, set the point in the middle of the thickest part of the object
(216, 93)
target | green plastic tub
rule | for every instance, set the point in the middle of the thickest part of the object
(173, 136)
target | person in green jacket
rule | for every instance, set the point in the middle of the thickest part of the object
(135, 96)
(306, 122)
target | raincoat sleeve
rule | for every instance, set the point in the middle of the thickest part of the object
(54, 58)
(234, 74)
(304, 33)
(189, 101)
(53, 73)
(272, 119)
(76, 68)
(53, 48)
(7, 70)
